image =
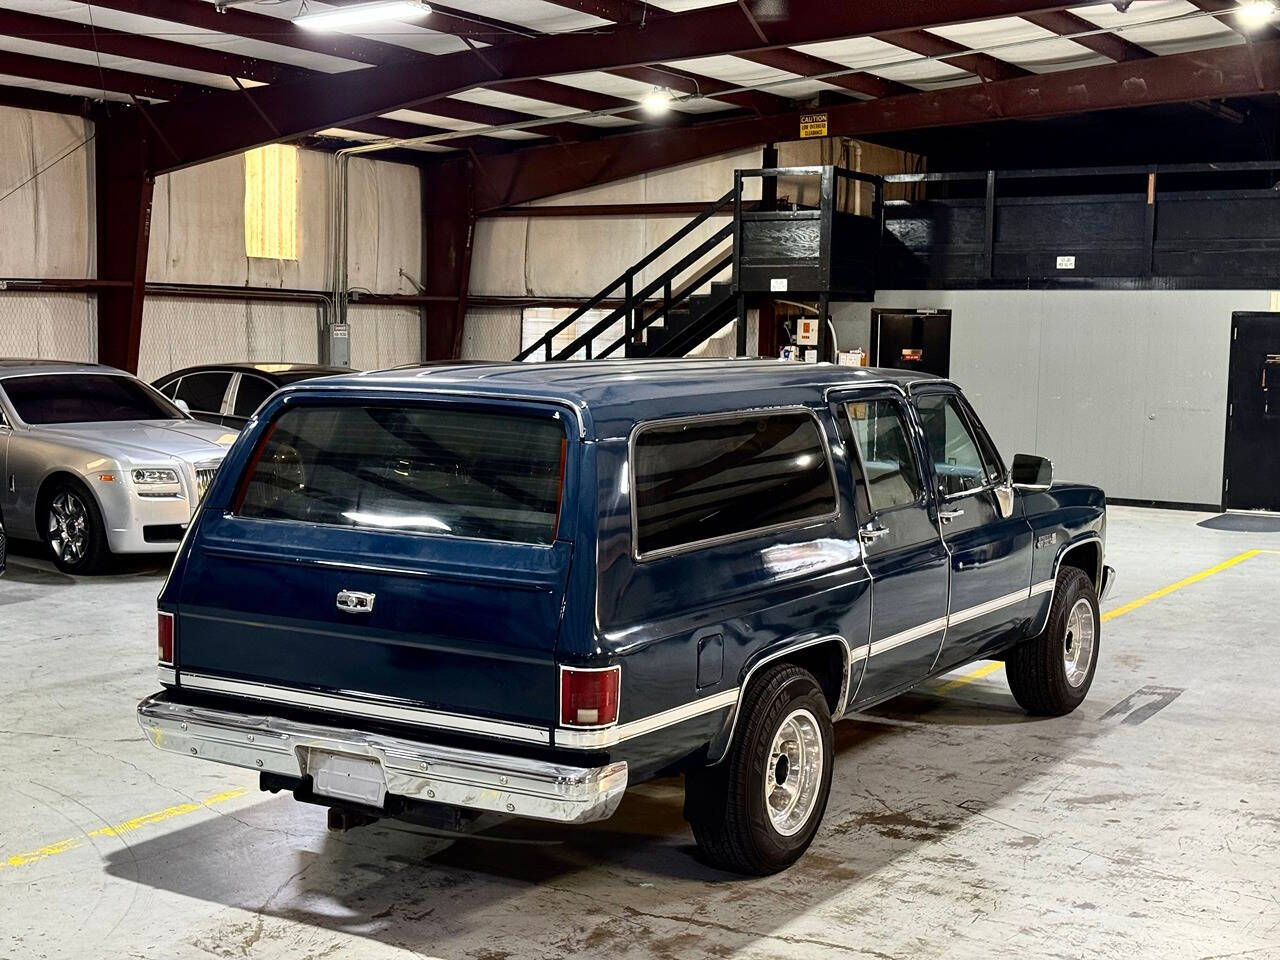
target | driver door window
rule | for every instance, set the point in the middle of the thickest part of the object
(958, 463)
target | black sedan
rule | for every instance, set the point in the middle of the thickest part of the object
(229, 393)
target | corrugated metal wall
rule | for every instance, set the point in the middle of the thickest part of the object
(1126, 389)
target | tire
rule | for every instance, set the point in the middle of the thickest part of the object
(72, 527)
(726, 804)
(1050, 675)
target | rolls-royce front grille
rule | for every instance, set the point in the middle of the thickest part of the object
(204, 478)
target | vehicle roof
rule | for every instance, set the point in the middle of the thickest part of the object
(611, 396)
(15, 365)
(264, 367)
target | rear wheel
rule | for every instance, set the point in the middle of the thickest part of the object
(757, 810)
(73, 529)
(1050, 675)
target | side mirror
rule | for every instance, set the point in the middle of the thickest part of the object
(182, 405)
(1030, 472)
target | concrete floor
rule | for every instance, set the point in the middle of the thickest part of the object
(957, 826)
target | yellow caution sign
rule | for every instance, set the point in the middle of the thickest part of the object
(813, 125)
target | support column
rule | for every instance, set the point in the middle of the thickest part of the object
(448, 235)
(123, 191)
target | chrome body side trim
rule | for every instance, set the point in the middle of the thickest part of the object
(907, 636)
(991, 606)
(1044, 586)
(368, 705)
(471, 779)
(592, 739)
(166, 674)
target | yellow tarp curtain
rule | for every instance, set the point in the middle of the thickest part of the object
(271, 202)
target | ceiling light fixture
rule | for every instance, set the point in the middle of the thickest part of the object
(1254, 13)
(357, 15)
(657, 100)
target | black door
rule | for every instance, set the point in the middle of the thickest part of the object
(903, 549)
(1252, 462)
(912, 340)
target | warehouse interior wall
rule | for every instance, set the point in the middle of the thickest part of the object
(1123, 388)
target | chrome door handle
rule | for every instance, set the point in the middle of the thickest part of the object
(946, 516)
(872, 534)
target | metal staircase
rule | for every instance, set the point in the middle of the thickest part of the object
(824, 249)
(662, 317)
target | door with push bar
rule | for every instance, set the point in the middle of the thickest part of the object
(990, 547)
(899, 536)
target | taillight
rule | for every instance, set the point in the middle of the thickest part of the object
(589, 697)
(164, 637)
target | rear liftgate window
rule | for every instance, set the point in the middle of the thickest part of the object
(433, 471)
(712, 479)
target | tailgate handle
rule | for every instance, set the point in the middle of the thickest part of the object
(353, 601)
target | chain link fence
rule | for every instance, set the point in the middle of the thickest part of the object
(182, 331)
(491, 333)
(51, 326)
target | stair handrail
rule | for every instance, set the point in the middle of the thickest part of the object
(626, 278)
(609, 319)
(682, 294)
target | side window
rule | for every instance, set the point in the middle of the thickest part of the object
(203, 392)
(250, 394)
(892, 477)
(708, 479)
(956, 458)
(169, 388)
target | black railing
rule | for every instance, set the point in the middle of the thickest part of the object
(633, 310)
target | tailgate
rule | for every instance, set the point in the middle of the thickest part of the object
(392, 559)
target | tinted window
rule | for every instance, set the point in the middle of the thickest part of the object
(204, 391)
(956, 458)
(168, 388)
(250, 394)
(85, 398)
(719, 478)
(892, 478)
(444, 472)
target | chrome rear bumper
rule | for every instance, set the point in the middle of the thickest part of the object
(471, 779)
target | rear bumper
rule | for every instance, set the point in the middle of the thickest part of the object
(470, 779)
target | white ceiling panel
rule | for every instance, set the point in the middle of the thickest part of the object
(1163, 26)
(536, 14)
(679, 6)
(1020, 42)
(342, 133)
(51, 51)
(742, 72)
(516, 135)
(608, 121)
(606, 83)
(69, 90)
(885, 60)
(510, 101)
(432, 120)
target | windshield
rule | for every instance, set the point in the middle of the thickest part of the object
(86, 398)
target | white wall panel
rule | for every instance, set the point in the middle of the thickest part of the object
(384, 226)
(384, 336)
(53, 326)
(1126, 389)
(491, 333)
(184, 331)
(45, 179)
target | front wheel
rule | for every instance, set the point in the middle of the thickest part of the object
(1051, 674)
(757, 811)
(74, 531)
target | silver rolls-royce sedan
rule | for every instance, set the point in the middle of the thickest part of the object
(97, 462)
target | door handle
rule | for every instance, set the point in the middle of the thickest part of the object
(946, 516)
(872, 534)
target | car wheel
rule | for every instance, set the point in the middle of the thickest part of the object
(73, 529)
(1051, 674)
(757, 810)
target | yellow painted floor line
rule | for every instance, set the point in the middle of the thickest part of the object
(117, 829)
(989, 668)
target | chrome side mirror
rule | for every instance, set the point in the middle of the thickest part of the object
(1030, 472)
(182, 405)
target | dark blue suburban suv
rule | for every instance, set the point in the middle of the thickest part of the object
(438, 593)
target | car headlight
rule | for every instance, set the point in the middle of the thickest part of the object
(156, 481)
(154, 475)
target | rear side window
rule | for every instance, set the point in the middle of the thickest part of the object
(203, 391)
(709, 479)
(453, 473)
(250, 395)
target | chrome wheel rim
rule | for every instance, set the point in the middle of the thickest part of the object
(794, 772)
(1078, 642)
(68, 527)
